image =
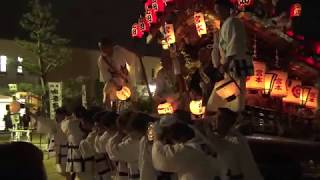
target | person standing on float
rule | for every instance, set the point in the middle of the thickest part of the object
(116, 68)
(230, 56)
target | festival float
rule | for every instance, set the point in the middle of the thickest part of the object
(282, 98)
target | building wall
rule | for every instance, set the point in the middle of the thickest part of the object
(83, 64)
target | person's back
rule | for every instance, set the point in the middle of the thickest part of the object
(21, 160)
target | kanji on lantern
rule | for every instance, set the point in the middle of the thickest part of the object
(200, 23)
(169, 34)
(244, 3)
(257, 80)
(147, 4)
(158, 5)
(136, 31)
(151, 16)
(312, 101)
(294, 92)
(144, 25)
(295, 10)
(279, 88)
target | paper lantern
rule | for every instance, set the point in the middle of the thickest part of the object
(158, 5)
(196, 107)
(227, 89)
(136, 31)
(200, 23)
(244, 3)
(151, 16)
(169, 1)
(279, 88)
(124, 93)
(295, 10)
(150, 132)
(147, 4)
(294, 91)
(144, 24)
(169, 33)
(165, 108)
(309, 97)
(257, 80)
(165, 45)
(14, 107)
(269, 79)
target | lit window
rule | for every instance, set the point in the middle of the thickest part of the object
(3, 63)
(20, 59)
(19, 69)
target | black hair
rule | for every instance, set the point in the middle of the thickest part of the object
(228, 113)
(109, 120)
(182, 115)
(123, 119)
(79, 111)
(105, 42)
(97, 116)
(140, 122)
(62, 111)
(181, 132)
(91, 113)
(224, 3)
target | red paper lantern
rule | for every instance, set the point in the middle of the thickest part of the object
(151, 16)
(147, 4)
(136, 31)
(144, 24)
(200, 24)
(245, 3)
(294, 92)
(295, 10)
(158, 5)
(169, 1)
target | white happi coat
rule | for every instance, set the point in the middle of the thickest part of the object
(232, 43)
(188, 160)
(120, 58)
(58, 142)
(104, 166)
(76, 163)
(125, 150)
(147, 171)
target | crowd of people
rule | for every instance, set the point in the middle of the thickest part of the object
(97, 144)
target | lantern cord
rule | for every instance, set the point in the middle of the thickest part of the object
(255, 47)
(277, 63)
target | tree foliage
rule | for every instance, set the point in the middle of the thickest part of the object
(48, 50)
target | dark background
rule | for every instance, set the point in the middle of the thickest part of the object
(86, 21)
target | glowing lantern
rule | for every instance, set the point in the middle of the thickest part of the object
(169, 33)
(279, 88)
(294, 91)
(309, 97)
(200, 24)
(14, 107)
(196, 107)
(257, 80)
(165, 45)
(124, 93)
(245, 3)
(144, 25)
(165, 108)
(269, 79)
(158, 5)
(295, 10)
(228, 89)
(136, 31)
(150, 132)
(151, 16)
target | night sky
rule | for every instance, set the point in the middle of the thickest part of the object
(85, 21)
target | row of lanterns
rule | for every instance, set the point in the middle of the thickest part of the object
(196, 108)
(276, 83)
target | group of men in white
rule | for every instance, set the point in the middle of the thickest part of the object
(94, 144)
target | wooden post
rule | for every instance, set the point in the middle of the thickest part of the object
(145, 77)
